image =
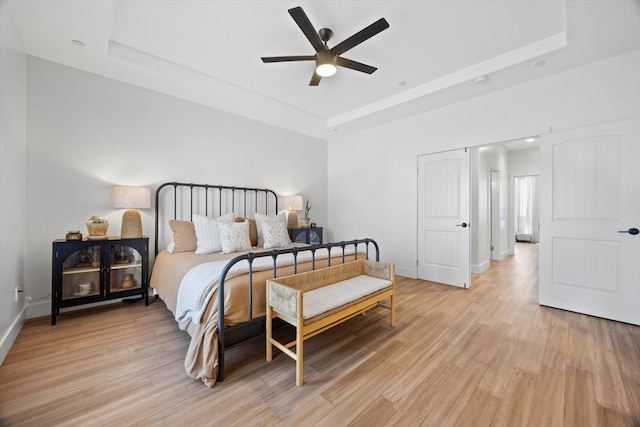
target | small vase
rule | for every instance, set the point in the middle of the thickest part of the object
(128, 281)
(304, 222)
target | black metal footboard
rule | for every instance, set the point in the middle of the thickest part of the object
(228, 336)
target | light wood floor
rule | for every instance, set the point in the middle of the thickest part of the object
(486, 356)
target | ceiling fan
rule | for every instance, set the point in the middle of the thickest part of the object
(327, 59)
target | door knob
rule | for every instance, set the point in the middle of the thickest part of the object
(632, 231)
(464, 224)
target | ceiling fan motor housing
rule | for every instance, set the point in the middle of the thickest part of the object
(325, 34)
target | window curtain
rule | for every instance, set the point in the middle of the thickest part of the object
(526, 207)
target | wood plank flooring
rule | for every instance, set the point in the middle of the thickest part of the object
(485, 356)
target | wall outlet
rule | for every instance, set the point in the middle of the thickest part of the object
(17, 294)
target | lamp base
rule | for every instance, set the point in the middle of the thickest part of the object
(292, 219)
(131, 224)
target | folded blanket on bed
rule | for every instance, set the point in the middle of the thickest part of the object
(201, 282)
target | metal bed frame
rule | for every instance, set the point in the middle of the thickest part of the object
(259, 198)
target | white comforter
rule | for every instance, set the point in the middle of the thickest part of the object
(201, 282)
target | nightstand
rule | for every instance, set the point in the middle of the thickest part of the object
(87, 271)
(306, 235)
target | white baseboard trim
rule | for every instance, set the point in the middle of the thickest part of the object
(39, 309)
(43, 308)
(406, 272)
(479, 268)
(11, 335)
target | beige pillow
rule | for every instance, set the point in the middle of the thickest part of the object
(253, 230)
(184, 235)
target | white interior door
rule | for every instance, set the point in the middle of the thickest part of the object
(590, 210)
(443, 218)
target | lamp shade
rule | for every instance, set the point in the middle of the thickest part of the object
(293, 203)
(128, 197)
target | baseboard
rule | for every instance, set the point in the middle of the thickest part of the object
(39, 309)
(479, 268)
(406, 272)
(11, 335)
(43, 308)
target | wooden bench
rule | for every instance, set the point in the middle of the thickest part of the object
(317, 300)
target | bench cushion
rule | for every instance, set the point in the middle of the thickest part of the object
(330, 297)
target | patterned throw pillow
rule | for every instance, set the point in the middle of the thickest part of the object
(263, 219)
(208, 232)
(275, 235)
(235, 237)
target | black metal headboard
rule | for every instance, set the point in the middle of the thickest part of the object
(211, 200)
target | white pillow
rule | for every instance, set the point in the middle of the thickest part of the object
(275, 235)
(235, 237)
(208, 234)
(261, 219)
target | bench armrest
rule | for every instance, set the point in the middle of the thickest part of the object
(381, 270)
(282, 298)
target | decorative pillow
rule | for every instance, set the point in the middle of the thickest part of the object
(235, 237)
(275, 235)
(261, 219)
(208, 234)
(184, 236)
(253, 230)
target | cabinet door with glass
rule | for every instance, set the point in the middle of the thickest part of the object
(126, 268)
(96, 270)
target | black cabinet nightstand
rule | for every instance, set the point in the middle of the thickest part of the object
(306, 235)
(86, 271)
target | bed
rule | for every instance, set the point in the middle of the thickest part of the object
(219, 298)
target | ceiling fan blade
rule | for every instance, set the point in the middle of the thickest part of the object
(315, 79)
(305, 25)
(355, 65)
(362, 35)
(266, 59)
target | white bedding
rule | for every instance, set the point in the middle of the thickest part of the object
(200, 283)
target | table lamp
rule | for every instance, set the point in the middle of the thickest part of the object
(131, 198)
(292, 204)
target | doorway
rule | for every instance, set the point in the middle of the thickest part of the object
(527, 209)
(493, 188)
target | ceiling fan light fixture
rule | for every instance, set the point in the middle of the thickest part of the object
(325, 63)
(327, 59)
(326, 70)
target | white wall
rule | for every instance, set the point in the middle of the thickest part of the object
(87, 133)
(382, 202)
(13, 66)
